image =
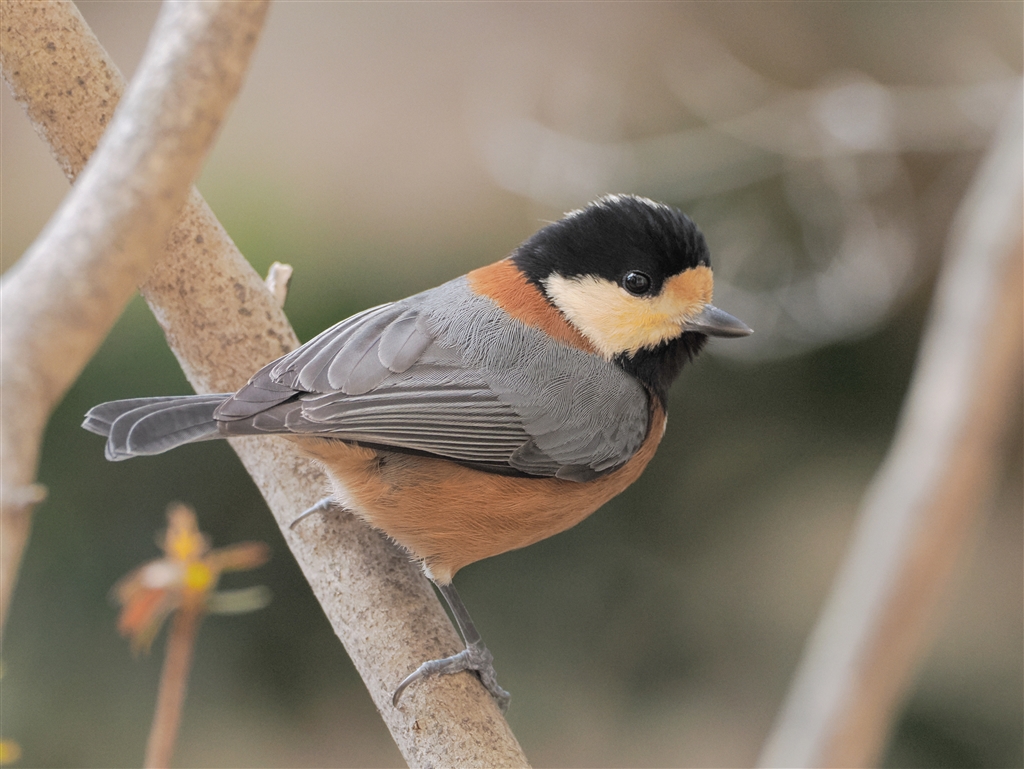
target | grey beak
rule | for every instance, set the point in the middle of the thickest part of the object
(715, 322)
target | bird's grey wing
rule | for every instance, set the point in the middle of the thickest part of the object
(585, 415)
(350, 357)
(431, 411)
(448, 373)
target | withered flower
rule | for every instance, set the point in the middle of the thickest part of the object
(185, 579)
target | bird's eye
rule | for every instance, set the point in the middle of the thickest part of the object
(636, 283)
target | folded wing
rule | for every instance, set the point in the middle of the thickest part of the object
(447, 373)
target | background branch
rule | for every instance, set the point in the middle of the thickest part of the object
(222, 324)
(930, 491)
(58, 303)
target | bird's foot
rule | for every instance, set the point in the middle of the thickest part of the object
(477, 658)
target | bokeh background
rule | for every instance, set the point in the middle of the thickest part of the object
(382, 148)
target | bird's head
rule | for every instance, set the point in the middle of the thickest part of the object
(631, 275)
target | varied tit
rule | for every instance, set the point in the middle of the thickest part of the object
(490, 412)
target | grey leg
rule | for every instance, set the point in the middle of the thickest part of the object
(475, 656)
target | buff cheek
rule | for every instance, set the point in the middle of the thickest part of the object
(617, 322)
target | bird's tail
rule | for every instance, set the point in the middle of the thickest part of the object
(143, 426)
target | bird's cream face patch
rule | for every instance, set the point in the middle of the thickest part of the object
(616, 322)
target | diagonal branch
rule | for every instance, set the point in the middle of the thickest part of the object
(930, 491)
(222, 324)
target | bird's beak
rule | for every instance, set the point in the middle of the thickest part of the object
(715, 322)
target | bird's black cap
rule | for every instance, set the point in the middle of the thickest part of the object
(612, 236)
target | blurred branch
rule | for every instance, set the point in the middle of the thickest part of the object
(930, 491)
(222, 324)
(58, 303)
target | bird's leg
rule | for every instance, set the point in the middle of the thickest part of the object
(475, 656)
(320, 507)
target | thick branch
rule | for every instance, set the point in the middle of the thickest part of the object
(58, 303)
(223, 324)
(931, 489)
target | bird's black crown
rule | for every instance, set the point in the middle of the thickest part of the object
(612, 236)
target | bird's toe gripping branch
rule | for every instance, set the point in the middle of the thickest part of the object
(475, 657)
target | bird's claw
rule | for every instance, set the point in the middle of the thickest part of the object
(322, 506)
(476, 658)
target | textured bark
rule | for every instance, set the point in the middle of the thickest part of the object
(222, 324)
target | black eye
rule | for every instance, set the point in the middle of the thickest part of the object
(636, 283)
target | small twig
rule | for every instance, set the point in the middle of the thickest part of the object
(279, 277)
(930, 490)
(181, 643)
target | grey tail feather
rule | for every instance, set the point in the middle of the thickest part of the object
(143, 426)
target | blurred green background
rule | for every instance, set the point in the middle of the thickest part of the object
(384, 148)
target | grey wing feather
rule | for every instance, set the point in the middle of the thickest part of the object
(403, 342)
(345, 358)
(302, 370)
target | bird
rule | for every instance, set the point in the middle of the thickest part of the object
(488, 413)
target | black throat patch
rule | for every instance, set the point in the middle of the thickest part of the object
(657, 368)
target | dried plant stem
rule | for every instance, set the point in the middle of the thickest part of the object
(181, 642)
(930, 491)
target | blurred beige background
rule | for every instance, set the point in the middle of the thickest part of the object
(381, 148)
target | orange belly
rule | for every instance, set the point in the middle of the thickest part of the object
(448, 515)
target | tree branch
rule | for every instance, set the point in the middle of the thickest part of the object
(930, 491)
(222, 324)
